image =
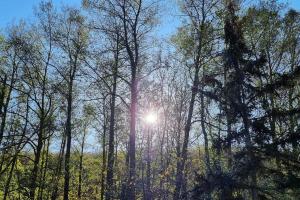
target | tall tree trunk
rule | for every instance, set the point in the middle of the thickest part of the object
(248, 142)
(181, 165)
(103, 160)
(227, 193)
(148, 169)
(206, 147)
(69, 138)
(2, 93)
(131, 155)
(44, 172)
(5, 105)
(162, 159)
(35, 170)
(292, 121)
(57, 174)
(81, 164)
(133, 53)
(125, 180)
(111, 159)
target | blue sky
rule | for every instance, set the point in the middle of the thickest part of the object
(14, 10)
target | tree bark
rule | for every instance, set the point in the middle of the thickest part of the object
(44, 172)
(181, 165)
(81, 164)
(132, 158)
(6, 102)
(103, 160)
(148, 169)
(68, 139)
(111, 142)
(35, 170)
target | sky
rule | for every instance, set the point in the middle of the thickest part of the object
(14, 10)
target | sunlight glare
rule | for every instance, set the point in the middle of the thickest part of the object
(151, 118)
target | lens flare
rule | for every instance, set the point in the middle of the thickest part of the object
(151, 118)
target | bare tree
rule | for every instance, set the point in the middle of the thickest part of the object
(71, 37)
(201, 16)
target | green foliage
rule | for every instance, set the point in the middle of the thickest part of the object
(184, 40)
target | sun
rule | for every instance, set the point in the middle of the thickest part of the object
(151, 118)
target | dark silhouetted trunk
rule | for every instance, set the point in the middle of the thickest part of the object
(44, 172)
(57, 174)
(111, 142)
(68, 138)
(81, 164)
(183, 156)
(5, 101)
(132, 137)
(148, 169)
(103, 169)
(35, 170)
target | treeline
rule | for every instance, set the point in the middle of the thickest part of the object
(94, 105)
